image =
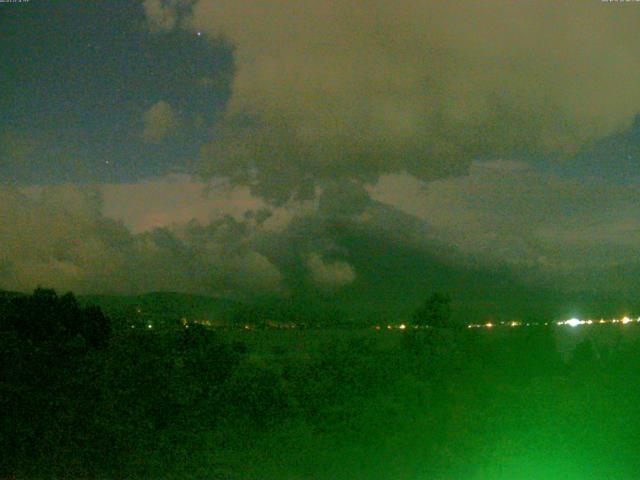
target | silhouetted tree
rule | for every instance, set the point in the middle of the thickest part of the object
(46, 318)
(96, 327)
(50, 361)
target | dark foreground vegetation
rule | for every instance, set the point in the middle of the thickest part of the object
(80, 400)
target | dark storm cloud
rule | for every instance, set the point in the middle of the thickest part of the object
(349, 133)
(542, 224)
(173, 234)
(327, 90)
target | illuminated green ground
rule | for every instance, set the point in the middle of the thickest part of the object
(334, 405)
(508, 410)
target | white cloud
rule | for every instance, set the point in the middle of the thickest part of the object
(174, 199)
(163, 15)
(330, 275)
(160, 121)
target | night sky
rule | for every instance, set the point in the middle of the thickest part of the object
(365, 155)
(78, 78)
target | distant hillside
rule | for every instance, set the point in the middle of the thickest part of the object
(7, 294)
(414, 270)
(168, 306)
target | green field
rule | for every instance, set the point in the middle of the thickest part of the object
(323, 404)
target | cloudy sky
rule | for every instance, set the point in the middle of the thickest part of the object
(365, 153)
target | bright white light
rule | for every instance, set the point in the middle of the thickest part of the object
(402, 327)
(626, 320)
(574, 322)
(149, 326)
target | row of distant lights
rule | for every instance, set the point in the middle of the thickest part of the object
(402, 326)
(572, 322)
(575, 322)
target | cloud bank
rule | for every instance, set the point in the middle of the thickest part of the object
(59, 237)
(327, 90)
(174, 234)
(174, 200)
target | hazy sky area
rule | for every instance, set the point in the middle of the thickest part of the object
(364, 153)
